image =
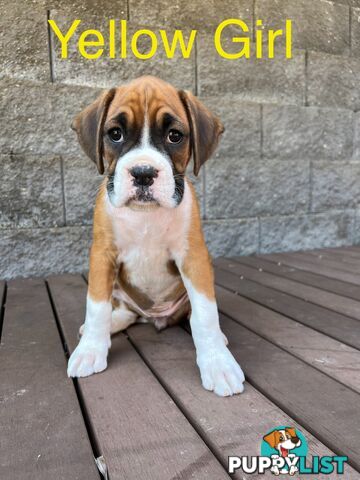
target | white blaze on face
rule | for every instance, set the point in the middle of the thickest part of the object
(163, 187)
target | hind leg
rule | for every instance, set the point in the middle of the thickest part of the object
(121, 317)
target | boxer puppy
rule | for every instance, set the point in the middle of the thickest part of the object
(148, 258)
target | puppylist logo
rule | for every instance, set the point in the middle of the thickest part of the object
(283, 451)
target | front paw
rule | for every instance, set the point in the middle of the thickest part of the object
(87, 359)
(220, 372)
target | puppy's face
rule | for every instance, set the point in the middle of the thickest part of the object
(145, 133)
(283, 440)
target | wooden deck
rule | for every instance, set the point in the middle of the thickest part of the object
(293, 321)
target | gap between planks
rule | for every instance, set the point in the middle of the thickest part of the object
(311, 266)
(141, 329)
(318, 318)
(129, 375)
(330, 301)
(328, 284)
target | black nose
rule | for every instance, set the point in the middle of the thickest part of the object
(143, 175)
(295, 440)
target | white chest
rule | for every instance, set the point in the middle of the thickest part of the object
(148, 241)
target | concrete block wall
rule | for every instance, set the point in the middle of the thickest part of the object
(285, 177)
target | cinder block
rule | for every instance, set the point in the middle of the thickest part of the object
(41, 251)
(333, 81)
(335, 185)
(36, 117)
(108, 72)
(356, 238)
(319, 25)
(356, 153)
(24, 49)
(303, 232)
(81, 185)
(250, 187)
(97, 8)
(307, 132)
(30, 191)
(355, 31)
(195, 14)
(242, 124)
(353, 3)
(277, 80)
(231, 237)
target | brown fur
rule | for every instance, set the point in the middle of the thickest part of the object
(197, 264)
(201, 130)
(102, 254)
(273, 438)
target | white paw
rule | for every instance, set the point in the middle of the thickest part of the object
(220, 372)
(87, 359)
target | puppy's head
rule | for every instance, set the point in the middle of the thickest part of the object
(144, 134)
(283, 440)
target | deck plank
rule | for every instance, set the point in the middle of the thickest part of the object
(311, 266)
(231, 426)
(339, 327)
(351, 249)
(312, 398)
(42, 429)
(339, 287)
(339, 256)
(331, 301)
(335, 261)
(137, 425)
(322, 352)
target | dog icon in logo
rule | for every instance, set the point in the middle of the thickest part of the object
(283, 440)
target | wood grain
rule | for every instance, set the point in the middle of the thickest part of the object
(311, 266)
(43, 434)
(339, 327)
(312, 398)
(339, 287)
(331, 301)
(335, 261)
(141, 432)
(322, 352)
(230, 425)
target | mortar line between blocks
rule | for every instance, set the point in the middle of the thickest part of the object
(51, 60)
(253, 20)
(63, 188)
(306, 101)
(196, 68)
(350, 29)
(311, 173)
(261, 131)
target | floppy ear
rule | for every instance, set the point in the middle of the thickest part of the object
(291, 431)
(205, 129)
(271, 439)
(89, 125)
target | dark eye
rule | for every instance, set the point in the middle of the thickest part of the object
(116, 135)
(174, 136)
